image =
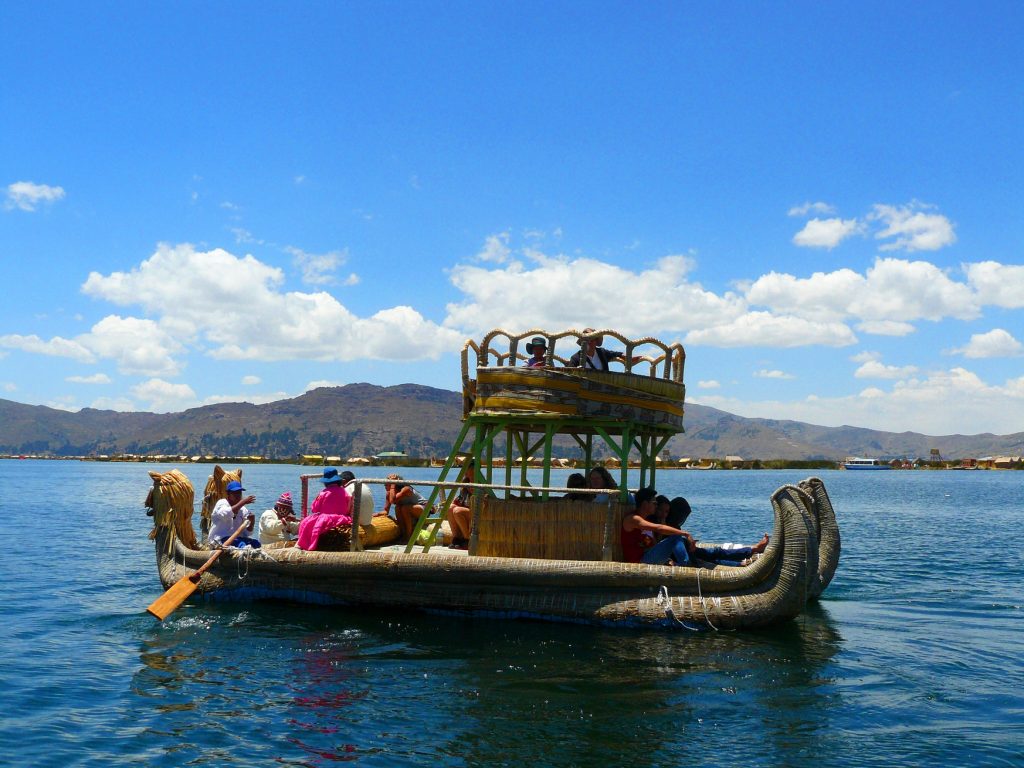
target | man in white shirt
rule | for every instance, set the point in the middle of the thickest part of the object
(228, 514)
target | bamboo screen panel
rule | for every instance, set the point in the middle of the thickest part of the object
(549, 530)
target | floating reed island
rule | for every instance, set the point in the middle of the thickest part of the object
(531, 553)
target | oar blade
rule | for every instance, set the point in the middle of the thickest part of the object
(168, 602)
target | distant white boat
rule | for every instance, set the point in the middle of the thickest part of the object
(853, 462)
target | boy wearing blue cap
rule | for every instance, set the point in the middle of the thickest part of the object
(230, 513)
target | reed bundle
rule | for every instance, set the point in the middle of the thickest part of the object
(382, 530)
(172, 499)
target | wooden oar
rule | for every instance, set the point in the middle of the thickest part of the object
(169, 601)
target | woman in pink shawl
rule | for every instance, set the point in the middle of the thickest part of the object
(332, 507)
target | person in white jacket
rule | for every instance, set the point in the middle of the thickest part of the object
(279, 524)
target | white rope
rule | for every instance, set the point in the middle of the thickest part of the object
(246, 555)
(665, 601)
(702, 604)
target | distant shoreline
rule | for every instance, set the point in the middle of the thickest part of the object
(412, 462)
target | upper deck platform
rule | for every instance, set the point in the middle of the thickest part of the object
(644, 391)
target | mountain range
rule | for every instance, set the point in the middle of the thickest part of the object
(365, 419)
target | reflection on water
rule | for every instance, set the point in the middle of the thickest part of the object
(327, 686)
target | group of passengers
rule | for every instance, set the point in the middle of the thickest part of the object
(591, 355)
(331, 508)
(652, 532)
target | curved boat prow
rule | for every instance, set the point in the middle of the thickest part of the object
(827, 529)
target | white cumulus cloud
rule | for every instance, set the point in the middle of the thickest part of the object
(317, 268)
(234, 307)
(826, 233)
(994, 343)
(886, 327)
(773, 374)
(1000, 285)
(96, 378)
(763, 329)
(26, 196)
(541, 291)
(251, 380)
(919, 404)
(55, 347)
(873, 369)
(912, 227)
(163, 396)
(823, 209)
(495, 249)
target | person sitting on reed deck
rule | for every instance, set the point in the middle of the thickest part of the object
(538, 347)
(459, 514)
(408, 503)
(661, 507)
(678, 547)
(228, 514)
(577, 480)
(592, 355)
(366, 500)
(678, 511)
(279, 524)
(332, 507)
(599, 478)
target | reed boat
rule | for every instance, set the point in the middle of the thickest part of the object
(531, 553)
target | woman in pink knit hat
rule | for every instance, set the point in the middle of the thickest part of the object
(279, 524)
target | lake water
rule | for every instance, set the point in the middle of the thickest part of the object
(912, 657)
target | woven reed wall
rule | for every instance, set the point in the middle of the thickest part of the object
(551, 530)
(578, 392)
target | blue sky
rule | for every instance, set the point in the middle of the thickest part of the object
(206, 202)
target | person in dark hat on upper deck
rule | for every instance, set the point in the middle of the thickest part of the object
(538, 347)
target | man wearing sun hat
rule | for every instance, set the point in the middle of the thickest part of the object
(279, 524)
(538, 347)
(230, 513)
(592, 354)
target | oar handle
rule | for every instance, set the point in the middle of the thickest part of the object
(227, 543)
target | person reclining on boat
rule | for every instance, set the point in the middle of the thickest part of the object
(332, 507)
(592, 355)
(408, 504)
(460, 516)
(678, 547)
(228, 514)
(279, 524)
(538, 347)
(366, 500)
